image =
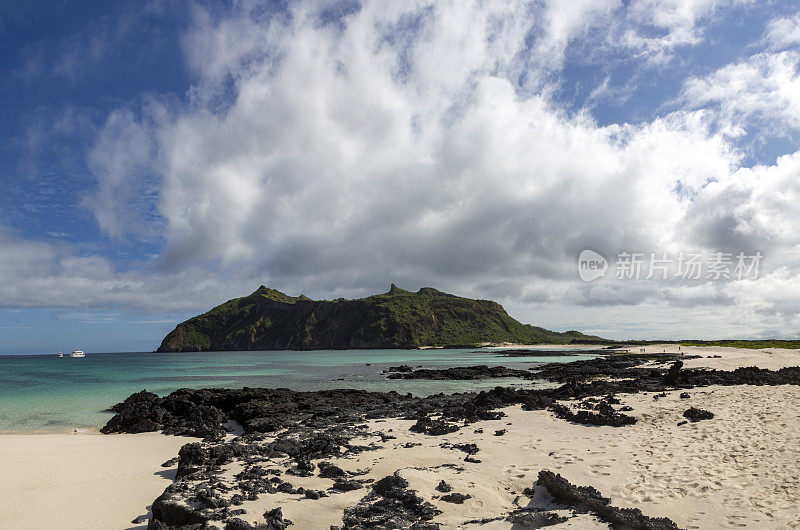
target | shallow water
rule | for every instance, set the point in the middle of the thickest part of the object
(47, 393)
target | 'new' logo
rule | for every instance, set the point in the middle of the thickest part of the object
(591, 265)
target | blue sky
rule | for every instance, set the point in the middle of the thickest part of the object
(158, 159)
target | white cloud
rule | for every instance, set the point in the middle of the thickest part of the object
(124, 157)
(56, 274)
(766, 86)
(783, 32)
(400, 144)
(654, 29)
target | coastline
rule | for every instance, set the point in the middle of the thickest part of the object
(63, 432)
(717, 473)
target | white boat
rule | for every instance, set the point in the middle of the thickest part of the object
(77, 353)
(60, 354)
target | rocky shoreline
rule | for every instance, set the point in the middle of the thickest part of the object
(289, 434)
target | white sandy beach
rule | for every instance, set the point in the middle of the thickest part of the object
(740, 469)
(80, 481)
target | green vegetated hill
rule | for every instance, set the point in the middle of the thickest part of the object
(271, 320)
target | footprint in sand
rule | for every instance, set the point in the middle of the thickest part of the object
(733, 520)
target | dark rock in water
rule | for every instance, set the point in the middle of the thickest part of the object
(139, 520)
(403, 368)
(464, 373)
(146, 412)
(432, 427)
(346, 485)
(657, 396)
(276, 520)
(589, 499)
(444, 487)
(684, 422)
(542, 353)
(500, 432)
(695, 415)
(685, 395)
(390, 504)
(455, 498)
(202, 412)
(134, 414)
(471, 460)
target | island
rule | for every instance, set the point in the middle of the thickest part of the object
(268, 319)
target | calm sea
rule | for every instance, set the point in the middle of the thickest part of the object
(47, 393)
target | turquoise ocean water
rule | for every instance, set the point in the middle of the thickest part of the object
(47, 393)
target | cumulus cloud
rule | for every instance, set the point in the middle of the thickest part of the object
(47, 274)
(765, 87)
(783, 32)
(333, 151)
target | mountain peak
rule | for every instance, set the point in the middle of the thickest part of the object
(271, 320)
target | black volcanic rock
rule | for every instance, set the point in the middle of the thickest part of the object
(328, 470)
(276, 520)
(344, 484)
(694, 414)
(308, 426)
(589, 499)
(390, 504)
(463, 373)
(456, 498)
(605, 416)
(444, 487)
(260, 410)
(432, 427)
(270, 320)
(673, 373)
